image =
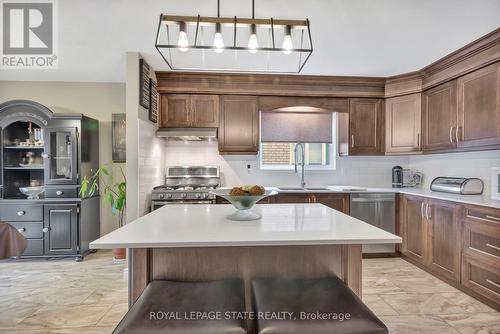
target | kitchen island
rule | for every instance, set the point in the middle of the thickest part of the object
(198, 243)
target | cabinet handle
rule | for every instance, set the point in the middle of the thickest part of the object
(59, 193)
(21, 213)
(458, 128)
(422, 209)
(418, 140)
(21, 229)
(451, 134)
(427, 215)
(45, 229)
(493, 217)
(352, 140)
(493, 283)
(494, 247)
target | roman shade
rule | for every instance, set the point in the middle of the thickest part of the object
(296, 127)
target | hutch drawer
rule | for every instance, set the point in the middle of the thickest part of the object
(61, 192)
(35, 247)
(21, 212)
(29, 229)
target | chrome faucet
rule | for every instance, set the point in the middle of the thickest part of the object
(302, 182)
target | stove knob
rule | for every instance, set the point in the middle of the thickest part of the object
(197, 195)
(169, 195)
(183, 195)
(204, 196)
(161, 196)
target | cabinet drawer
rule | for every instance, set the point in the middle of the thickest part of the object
(482, 275)
(29, 229)
(35, 247)
(482, 237)
(21, 212)
(485, 214)
(59, 192)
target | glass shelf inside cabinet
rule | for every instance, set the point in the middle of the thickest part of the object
(22, 161)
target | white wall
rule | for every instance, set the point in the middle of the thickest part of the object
(469, 164)
(363, 171)
(145, 162)
(96, 100)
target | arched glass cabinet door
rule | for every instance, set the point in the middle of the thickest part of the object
(60, 156)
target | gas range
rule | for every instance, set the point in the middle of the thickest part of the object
(186, 184)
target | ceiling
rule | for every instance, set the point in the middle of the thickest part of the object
(351, 37)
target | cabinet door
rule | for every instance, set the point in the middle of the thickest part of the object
(204, 111)
(479, 107)
(403, 124)
(61, 229)
(413, 228)
(239, 125)
(366, 126)
(444, 238)
(174, 110)
(61, 156)
(439, 118)
(339, 202)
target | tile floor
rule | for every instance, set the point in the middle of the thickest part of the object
(90, 297)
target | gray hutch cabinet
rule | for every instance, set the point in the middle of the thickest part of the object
(39, 148)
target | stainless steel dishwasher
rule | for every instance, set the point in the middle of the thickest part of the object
(377, 209)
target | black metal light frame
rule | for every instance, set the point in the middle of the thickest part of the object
(303, 24)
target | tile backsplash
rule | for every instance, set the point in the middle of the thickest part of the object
(362, 171)
(467, 164)
(357, 171)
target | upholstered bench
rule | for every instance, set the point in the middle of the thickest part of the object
(186, 307)
(312, 306)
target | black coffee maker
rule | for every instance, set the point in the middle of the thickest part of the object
(397, 177)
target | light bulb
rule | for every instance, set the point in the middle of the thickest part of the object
(287, 41)
(253, 44)
(183, 42)
(218, 40)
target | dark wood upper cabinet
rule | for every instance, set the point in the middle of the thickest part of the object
(479, 107)
(239, 125)
(366, 126)
(444, 238)
(413, 228)
(187, 110)
(205, 111)
(439, 117)
(174, 110)
(403, 124)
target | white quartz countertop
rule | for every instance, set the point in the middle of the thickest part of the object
(207, 226)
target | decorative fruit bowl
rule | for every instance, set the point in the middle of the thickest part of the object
(243, 203)
(32, 192)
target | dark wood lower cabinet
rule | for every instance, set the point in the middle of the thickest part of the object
(455, 242)
(444, 238)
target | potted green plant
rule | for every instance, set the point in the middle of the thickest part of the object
(114, 191)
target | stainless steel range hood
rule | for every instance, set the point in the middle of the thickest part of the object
(191, 134)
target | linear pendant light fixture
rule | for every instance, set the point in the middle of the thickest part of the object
(234, 44)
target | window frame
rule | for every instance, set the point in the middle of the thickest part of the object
(333, 154)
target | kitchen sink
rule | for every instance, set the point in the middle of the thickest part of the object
(303, 189)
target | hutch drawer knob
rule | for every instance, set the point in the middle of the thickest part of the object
(21, 213)
(23, 229)
(45, 229)
(59, 192)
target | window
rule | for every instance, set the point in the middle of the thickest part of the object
(281, 155)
